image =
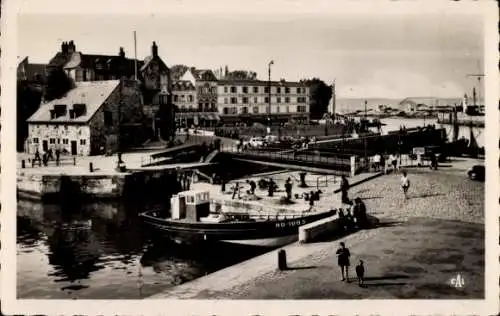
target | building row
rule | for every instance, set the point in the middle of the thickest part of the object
(102, 113)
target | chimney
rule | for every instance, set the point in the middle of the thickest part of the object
(64, 47)
(154, 49)
(226, 71)
(122, 53)
(71, 47)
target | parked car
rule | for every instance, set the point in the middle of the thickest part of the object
(477, 172)
(256, 142)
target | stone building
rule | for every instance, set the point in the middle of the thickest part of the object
(92, 67)
(184, 97)
(205, 84)
(248, 101)
(156, 87)
(93, 118)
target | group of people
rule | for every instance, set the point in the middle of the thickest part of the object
(343, 260)
(45, 157)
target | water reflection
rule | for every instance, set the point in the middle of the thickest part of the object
(102, 251)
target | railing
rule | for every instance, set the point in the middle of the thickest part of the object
(404, 161)
(289, 156)
(268, 217)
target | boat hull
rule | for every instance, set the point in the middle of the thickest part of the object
(268, 233)
(265, 242)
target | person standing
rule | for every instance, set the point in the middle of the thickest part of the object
(376, 162)
(405, 184)
(360, 273)
(394, 162)
(344, 188)
(343, 255)
(288, 189)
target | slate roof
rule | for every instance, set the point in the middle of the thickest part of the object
(91, 93)
(203, 74)
(262, 83)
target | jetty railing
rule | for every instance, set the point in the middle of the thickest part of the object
(302, 156)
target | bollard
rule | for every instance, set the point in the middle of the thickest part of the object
(23, 164)
(91, 167)
(74, 161)
(282, 260)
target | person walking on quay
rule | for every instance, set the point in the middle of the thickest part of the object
(405, 184)
(376, 162)
(236, 190)
(343, 255)
(344, 188)
(288, 189)
(253, 186)
(58, 156)
(394, 162)
(360, 273)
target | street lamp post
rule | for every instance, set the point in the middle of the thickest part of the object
(269, 94)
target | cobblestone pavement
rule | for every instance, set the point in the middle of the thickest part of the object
(442, 205)
(439, 194)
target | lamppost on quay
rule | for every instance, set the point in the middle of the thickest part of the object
(269, 95)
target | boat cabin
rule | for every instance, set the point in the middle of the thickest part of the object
(190, 205)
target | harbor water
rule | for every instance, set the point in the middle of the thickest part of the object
(101, 251)
(394, 123)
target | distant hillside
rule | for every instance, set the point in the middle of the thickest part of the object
(346, 105)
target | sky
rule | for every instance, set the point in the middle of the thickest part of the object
(369, 53)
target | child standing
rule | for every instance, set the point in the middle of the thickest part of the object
(360, 273)
(405, 184)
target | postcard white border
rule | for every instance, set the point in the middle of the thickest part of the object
(255, 307)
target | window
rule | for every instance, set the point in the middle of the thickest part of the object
(245, 100)
(226, 100)
(266, 89)
(35, 140)
(255, 109)
(233, 89)
(298, 90)
(278, 109)
(225, 89)
(278, 90)
(288, 109)
(244, 110)
(83, 141)
(214, 90)
(301, 108)
(266, 99)
(234, 110)
(108, 118)
(176, 98)
(255, 100)
(225, 110)
(255, 89)
(58, 140)
(52, 141)
(287, 90)
(65, 141)
(234, 100)
(278, 100)
(190, 98)
(245, 89)
(79, 75)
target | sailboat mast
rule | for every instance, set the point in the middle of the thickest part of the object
(135, 56)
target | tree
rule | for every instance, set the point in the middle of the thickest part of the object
(241, 75)
(58, 84)
(319, 97)
(176, 71)
(29, 97)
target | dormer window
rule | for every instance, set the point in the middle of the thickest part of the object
(58, 111)
(79, 109)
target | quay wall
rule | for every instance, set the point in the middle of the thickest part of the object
(41, 187)
(315, 230)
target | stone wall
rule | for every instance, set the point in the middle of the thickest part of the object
(47, 186)
(105, 136)
(59, 136)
